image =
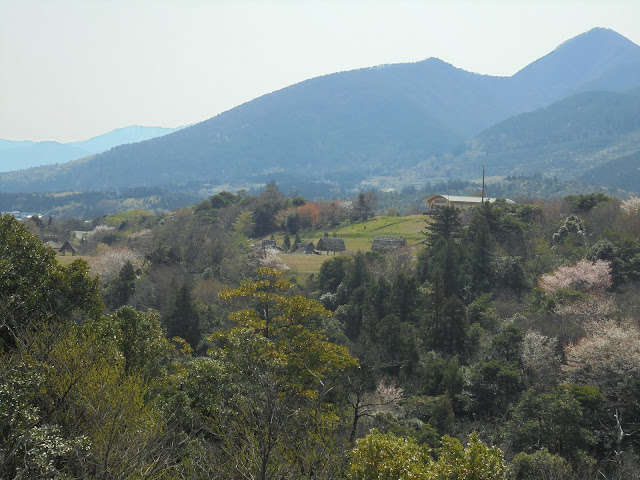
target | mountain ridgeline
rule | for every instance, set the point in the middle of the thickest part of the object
(567, 113)
(16, 155)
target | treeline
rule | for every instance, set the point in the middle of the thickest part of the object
(407, 200)
(513, 331)
(88, 205)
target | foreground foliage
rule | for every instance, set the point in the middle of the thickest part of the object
(203, 364)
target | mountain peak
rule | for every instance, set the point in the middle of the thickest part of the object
(600, 35)
(577, 64)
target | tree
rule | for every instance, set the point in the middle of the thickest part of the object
(507, 345)
(245, 224)
(184, 319)
(586, 276)
(332, 273)
(35, 289)
(365, 205)
(540, 360)
(387, 457)
(271, 373)
(286, 243)
(540, 465)
(480, 256)
(404, 299)
(384, 456)
(609, 358)
(122, 287)
(476, 461)
(446, 224)
(494, 384)
(141, 340)
(555, 420)
(572, 226)
(88, 393)
(448, 258)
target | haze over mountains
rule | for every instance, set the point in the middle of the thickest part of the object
(569, 113)
(16, 155)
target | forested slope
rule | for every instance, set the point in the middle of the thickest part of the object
(195, 355)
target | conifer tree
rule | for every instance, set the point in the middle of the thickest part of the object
(184, 319)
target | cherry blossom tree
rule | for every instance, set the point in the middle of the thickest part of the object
(586, 276)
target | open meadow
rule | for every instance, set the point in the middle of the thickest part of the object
(357, 236)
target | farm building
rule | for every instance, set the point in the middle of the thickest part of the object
(388, 244)
(67, 247)
(304, 248)
(331, 244)
(435, 201)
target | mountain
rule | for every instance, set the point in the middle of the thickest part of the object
(16, 155)
(568, 139)
(348, 127)
(599, 59)
(622, 172)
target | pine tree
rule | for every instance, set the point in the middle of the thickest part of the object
(184, 319)
(122, 287)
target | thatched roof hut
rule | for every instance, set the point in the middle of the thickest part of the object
(67, 247)
(388, 244)
(304, 248)
(331, 244)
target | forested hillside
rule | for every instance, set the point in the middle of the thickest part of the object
(506, 345)
(566, 139)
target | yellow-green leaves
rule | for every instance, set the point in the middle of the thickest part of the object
(387, 457)
(271, 372)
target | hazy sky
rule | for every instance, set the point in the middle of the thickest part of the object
(73, 69)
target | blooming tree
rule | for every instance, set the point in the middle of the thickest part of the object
(605, 357)
(586, 276)
(631, 205)
(109, 261)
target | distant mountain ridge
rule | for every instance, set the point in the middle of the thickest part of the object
(16, 155)
(348, 127)
(566, 139)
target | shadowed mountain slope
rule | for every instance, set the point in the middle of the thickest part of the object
(569, 139)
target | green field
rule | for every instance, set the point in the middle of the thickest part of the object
(67, 259)
(357, 236)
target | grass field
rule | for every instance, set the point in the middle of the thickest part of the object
(67, 259)
(357, 236)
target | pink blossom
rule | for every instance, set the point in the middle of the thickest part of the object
(585, 276)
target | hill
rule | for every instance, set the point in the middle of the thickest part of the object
(347, 127)
(567, 139)
(621, 172)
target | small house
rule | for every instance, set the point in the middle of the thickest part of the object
(331, 244)
(268, 243)
(304, 248)
(388, 244)
(67, 247)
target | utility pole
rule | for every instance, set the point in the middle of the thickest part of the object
(482, 183)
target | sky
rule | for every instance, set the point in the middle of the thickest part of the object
(74, 69)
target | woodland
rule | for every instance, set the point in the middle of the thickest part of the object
(505, 345)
